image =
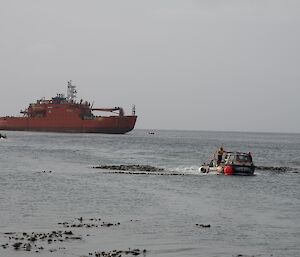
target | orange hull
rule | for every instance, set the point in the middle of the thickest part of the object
(110, 125)
(64, 114)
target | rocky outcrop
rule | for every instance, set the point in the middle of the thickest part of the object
(56, 240)
(274, 168)
(134, 167)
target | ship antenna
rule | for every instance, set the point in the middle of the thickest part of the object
(71, 93)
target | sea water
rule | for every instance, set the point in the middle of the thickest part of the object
(47, 179)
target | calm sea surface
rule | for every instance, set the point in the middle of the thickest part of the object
(248, 216)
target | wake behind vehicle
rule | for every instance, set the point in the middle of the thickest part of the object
(233, 163)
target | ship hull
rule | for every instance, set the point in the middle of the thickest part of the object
(107, 125)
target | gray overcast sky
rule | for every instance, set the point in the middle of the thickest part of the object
(193, 65)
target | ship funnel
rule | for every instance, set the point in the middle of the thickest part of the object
(71, 94)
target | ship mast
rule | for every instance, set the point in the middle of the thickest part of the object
(71, 93)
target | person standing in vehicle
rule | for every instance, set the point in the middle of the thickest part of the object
(220, 155)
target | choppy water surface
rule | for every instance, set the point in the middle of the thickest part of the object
(248, 216)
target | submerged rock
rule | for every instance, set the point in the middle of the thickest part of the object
(17, 245)
(133, 167)
(203, 225)
(118, 253)
(137, 170)
(36, 241)
(274, 168)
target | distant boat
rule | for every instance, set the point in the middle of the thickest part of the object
(64, 114)
(3, 136)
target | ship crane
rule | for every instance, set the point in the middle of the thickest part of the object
(120, 109)
(24, 112)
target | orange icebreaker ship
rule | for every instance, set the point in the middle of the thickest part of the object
(64, 114)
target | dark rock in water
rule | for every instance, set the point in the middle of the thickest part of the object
(17, 245)
(50, 171)
(34, 240)
(108, 224)
(136, 169)
(273, 168)
(27, 247)
(133, 167)
(38, 241)
(203, 225)
(95, 224)
(118, 253)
